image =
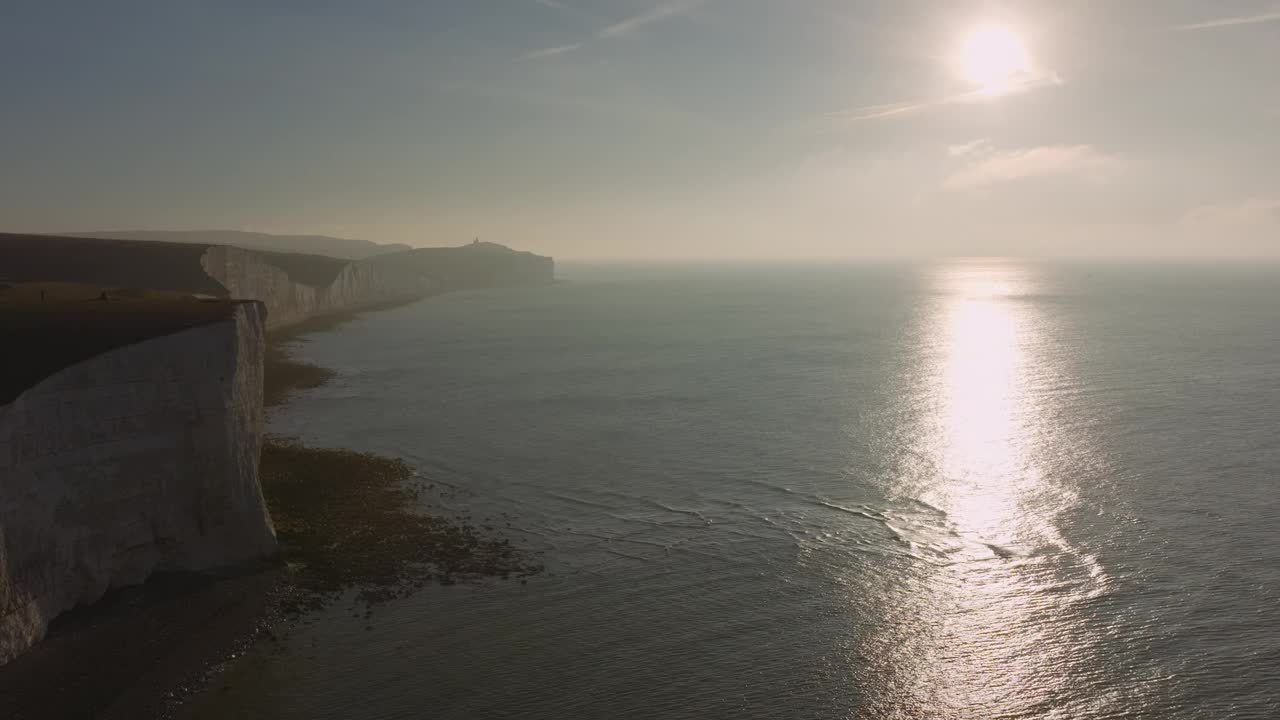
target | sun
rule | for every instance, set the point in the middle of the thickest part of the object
(994, 58)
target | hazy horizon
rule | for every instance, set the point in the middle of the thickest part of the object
(656, 129)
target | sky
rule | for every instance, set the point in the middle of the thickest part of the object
(654, 128)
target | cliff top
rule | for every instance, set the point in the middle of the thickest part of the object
(51, 326)
(139, 263)
(480, 249)
(343, 248)
(474, 254)
(120, 263)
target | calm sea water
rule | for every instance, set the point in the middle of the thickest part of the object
(983, 489)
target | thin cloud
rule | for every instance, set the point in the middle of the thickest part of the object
(566, 9)
(657, 14)
(1038, 162)
(552, 51)
(1032, 81)
(617, 29)
(875, 112)
(1266, 17)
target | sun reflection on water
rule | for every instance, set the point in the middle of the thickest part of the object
(986, 636)
(978, 440)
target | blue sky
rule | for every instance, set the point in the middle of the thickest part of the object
(651, 128)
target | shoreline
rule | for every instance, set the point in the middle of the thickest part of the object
(141, 651)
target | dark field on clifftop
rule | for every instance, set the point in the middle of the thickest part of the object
(51, 326)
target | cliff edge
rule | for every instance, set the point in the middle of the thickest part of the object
(294, 287)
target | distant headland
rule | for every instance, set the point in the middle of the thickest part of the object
(294, 286)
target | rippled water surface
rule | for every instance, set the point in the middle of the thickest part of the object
(983, 489)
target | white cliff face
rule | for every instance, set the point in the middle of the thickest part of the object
(362, 285)
(142, 459)
(246, 275)
(358, 285)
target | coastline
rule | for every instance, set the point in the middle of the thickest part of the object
(141, 651)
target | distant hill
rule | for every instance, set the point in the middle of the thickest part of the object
(306, 244)
(474, 265)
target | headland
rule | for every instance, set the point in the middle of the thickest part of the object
(131, 439)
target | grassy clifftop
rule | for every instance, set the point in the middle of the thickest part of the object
(115, 263)
(139, 263)
(344, 248)
(51, 326)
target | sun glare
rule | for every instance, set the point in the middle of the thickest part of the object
(994, 58)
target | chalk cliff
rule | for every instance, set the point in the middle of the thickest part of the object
(293, 287)
(289, 299)
(138, 460)
(129, 443)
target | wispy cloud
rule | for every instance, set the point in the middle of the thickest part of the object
(875, 112)
(567, 9)
(552, 51)
(655, 14)
(1050, 160)
(1027, 83)
(1266, 17)
(888, 110)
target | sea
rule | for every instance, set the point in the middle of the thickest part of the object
(963, 489)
